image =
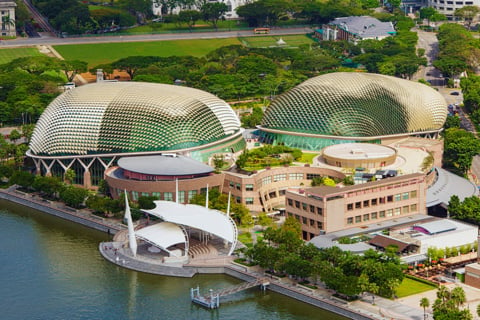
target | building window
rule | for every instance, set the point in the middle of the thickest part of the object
(238, 186)
(310, 176)
(297, 204)
(181, 196)
(319, 211)
(358, 205)
(304, 220)
(238, 199)
(398, 197)
(413, 207)
(374, 202)
(320, 225)
(366, 217)
(396, 212)
(382, 214)
(390, 199)
(381, 200)
(405, 196)
(304, 206)
(350, 220)
(366, 203)
(279, 177)
(406, 209)
(281, 193)
(272, 194)
(191, 194)
(134, 195)
(249, 187)
(231, 184)
(312, 209)
(358, 219)
(389, 212)
(350, 206)
(168, 196)
(295, 176)
(297, 217)
(312, 222)
(266, 180)
(156, 195)
(413, 194)
(374, 215)
(290, 202)
(145, 194)
(248, 200)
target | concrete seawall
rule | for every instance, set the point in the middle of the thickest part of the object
(96, 223)
(114, 253)
(298, 295)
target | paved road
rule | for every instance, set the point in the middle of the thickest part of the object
(47, 39)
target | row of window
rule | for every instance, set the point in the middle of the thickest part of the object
(305, 206)
(460, 3)
(306, 221)
(382, 214)
(382, 200)
(167, 196)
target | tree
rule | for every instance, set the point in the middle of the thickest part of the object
(213, 12)
(14, 135)
(147, 202)
(424, 303)
(218, 161)
(467, 13)
(73, 196)
(189, 17)
(70, 175)
(23, 179)
(449, 305)
(27, 131)
(50, 186)
(73, 67)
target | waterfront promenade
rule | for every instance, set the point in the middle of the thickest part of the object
(321, 297)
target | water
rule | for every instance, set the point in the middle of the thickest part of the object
(51, 269)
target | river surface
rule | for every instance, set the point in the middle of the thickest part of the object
(51, 269)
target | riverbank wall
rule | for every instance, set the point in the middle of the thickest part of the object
(70, 214)
(115, 255)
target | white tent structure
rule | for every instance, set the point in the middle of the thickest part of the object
(198, 217)
(164, 235)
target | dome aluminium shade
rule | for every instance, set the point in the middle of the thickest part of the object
(118, 117)
(357, 105)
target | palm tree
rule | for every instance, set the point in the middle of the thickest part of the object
(478, 310)
(7, 22)
(425, 303)
(458, 296)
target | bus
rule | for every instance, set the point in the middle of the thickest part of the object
(261, 30)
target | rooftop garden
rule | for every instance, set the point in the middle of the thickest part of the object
(268, 156)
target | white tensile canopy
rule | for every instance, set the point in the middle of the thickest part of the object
(162, 235)
(198, 217)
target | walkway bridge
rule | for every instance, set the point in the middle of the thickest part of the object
(212, 301)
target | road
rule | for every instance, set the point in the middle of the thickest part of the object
(47, 39)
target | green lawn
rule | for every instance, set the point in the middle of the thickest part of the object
(267, 41)
(7, 55)
(199, 26)
(100, 53)
(308, 157)
(410, 286)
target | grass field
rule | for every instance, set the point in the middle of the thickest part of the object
(7, 55)
(267, 41)
(100, 53)
(410, 286)
(308, 157)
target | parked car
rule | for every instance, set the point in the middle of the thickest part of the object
(455, 93)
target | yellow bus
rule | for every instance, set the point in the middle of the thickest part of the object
(261, 30)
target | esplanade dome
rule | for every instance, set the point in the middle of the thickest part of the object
(354, 107)
(132, 117)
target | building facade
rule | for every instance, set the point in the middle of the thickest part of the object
(327, 209)
(448, 7)
(7, 15)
